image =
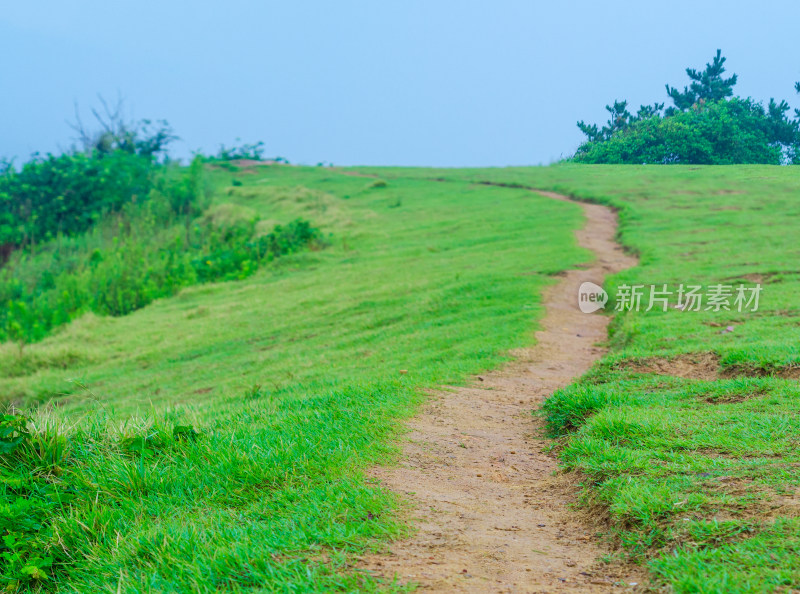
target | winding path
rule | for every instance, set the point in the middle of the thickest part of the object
(491, 512)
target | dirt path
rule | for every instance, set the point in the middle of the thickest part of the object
(491, 516)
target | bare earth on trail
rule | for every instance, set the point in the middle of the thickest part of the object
(491, 516)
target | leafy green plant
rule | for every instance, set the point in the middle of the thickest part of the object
(111, 230)
(13, 432)
(250, 152)
(706, 125)
(147, 261)
(67, 194)
(25, 501)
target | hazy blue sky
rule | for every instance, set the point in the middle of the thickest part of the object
(434, 82)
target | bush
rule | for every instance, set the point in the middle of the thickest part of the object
(67, 194)
(111, 228)
(250, 152)
(145, 260)
(143, 250)
(707, 125)
(726, 132)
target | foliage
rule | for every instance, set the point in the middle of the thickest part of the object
(707, 86)
(152, 251)
(720, 133)
(65, 194)
(253, 152)
(68, 193)
(109, 229)
(706, 125)
(240, 257)
(146, 138)
(621, 119)
(241, 152)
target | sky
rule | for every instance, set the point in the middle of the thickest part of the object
(444, 83)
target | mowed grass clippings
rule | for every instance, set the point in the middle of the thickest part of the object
(216, 440)
(688, 432)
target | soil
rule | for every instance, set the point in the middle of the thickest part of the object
(491, 510)
(702, 366)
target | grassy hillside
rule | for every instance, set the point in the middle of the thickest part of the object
(216, 439)
(687, 432)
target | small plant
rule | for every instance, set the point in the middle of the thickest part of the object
(26, 501)
(249, 152)
(185, 433)
(13, 433)
(254, 393)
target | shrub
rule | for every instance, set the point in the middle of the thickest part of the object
(67, 194)
(726, 132)
(706, 125)
(147, 262)
(250, 152)
(111, 228)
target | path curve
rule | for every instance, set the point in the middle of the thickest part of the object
(491, 516)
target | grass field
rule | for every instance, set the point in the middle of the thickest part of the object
(217, 439)
(686, 435)
(698, 476)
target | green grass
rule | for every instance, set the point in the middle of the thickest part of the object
(292, 379)
(698, 478)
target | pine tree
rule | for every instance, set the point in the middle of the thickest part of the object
(797, 111)
(648, 111)
(707, 124)
(620, 119)
(591, 132)
(706, 86)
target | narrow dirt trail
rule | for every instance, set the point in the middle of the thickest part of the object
(491, 516)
